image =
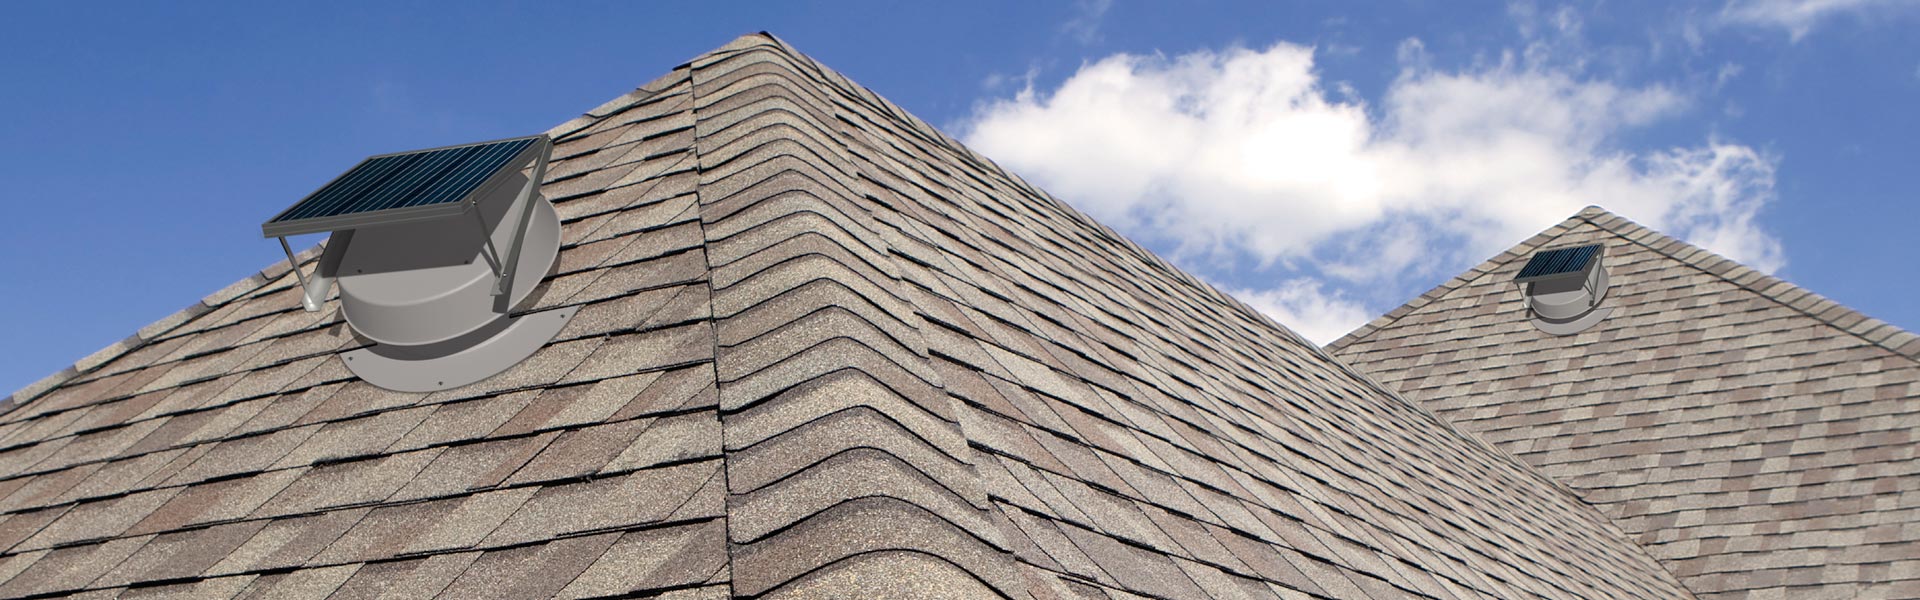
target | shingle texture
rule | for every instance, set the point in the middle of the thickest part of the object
(1757, 438)
(822, 351)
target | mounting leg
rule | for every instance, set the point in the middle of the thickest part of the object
(505, 282)
(306, 295)
(313, 292)
(491, 254)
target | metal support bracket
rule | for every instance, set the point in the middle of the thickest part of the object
(491, 254)
(504, 283)
(314, 290)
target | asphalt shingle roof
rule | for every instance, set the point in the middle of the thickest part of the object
(822, 350)
(1757, 438)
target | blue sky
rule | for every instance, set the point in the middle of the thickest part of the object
(1327, 162)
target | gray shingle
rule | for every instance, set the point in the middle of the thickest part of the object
(1707, 415)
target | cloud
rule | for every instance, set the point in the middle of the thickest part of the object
(1727, 72)
(1084, 27)
(1797, 17)
(1304, 307)
(1244, 160)
(1245, 152)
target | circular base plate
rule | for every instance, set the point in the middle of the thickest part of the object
(1573, 326)
(478, 355)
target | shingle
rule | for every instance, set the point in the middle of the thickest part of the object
(288, 542)
(670, 439)
(97, 520)
(677, 390)
(385, 532)
(241, 455)
(70, 568)
(837, 538)
(580, 452)
(832, 391)
(1047, 535)
(355, 398)
(624, 312)
(1678, 434)
(354, 438)
(598, 402)
(179, 555)
(814, 488)
(910, 574)
(649, 559)
(285, 409)
(36, 492)
(303, 584)
(412, 578)
(661, 348)
(466, 467)
(1134, 568)
(638, 498)
(471, 519)
(755, 466)
(217, 501)
(537, 571)
(712, 592)
(217, 589)
(464, 420)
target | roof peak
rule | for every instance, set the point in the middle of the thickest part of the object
(1819, 307)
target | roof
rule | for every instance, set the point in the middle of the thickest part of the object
(822, 350)
(1755, 436)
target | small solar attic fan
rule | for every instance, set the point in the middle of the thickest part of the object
(432, 250)
(1564, 287)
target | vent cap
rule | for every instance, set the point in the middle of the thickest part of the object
(432, 249)
(1564, 288)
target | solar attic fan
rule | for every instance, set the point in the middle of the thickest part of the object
(1564, 287)
(432, 249)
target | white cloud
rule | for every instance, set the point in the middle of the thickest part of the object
(1244, 151)
(1247, 155)
(1084, 27)
(1727, 72)
(1798, 17)
(1308, 310)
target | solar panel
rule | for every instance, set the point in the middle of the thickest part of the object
(404, 186)
(1558, 262)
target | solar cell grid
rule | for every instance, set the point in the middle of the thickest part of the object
(401, 185)
(1558, 261)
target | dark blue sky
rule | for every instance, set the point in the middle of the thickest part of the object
(145, 142)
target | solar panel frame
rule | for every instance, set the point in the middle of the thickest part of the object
(407, 186)
(1560, 263)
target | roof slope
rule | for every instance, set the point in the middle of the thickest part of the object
(822, 351)
(1756, 437)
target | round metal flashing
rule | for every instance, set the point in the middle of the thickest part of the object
(461, 361)
(1575, 325)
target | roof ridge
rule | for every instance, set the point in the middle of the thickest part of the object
(1808, 302)
(1812, 304)
(787, 363)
